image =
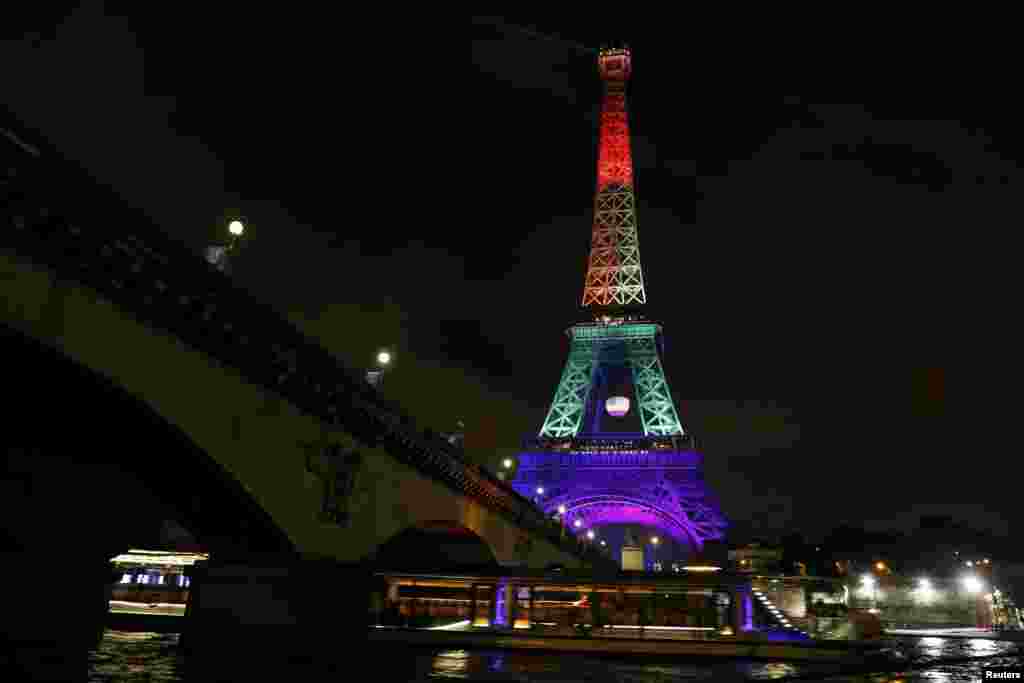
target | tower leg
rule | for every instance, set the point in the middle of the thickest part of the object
(657, 408)
(566, 413)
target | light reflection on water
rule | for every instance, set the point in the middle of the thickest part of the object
(451, 663)
(774, 670)
(153, 657)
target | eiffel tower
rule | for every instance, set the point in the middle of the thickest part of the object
(594, 462)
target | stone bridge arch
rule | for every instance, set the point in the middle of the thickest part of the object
(95, 481)
(436, 545)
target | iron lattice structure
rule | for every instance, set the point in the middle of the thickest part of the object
(651, 475)
(596, 346)
(614, 276)
(660, 486)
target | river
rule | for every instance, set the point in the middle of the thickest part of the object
(153, 657)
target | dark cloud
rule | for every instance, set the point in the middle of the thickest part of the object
(825, 254)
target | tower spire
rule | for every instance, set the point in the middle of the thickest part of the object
(614, 277)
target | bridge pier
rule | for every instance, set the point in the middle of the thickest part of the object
(288, 605)
(54, 611)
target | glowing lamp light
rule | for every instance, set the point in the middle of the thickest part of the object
(972, 584)
(617, 406)
(506, 463)
(603, 543)
(578, 523)
(868, 581)
(590, 534)
(654, 540)
(540, 490)
(384, 358)
(561, 509)
(236, 228)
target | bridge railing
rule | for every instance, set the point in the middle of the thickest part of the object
(77, 229)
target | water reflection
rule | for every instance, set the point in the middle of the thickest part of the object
(773, 670)
(453, 663)
(155, 657)
(932, 647)
(942, 677)
(981, 647)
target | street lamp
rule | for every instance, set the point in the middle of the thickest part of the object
(925, 593)
(384, 359)
(869, 583)
(218, 254)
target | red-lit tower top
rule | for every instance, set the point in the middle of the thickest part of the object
(615, 160)
(614, 278)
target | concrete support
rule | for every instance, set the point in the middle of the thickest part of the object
(283, 604)
(54, 612)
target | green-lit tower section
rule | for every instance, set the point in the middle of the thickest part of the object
(619, 339)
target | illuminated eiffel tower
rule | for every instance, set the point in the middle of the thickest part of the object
(593, 462)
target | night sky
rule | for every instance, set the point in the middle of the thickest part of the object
(822, 252)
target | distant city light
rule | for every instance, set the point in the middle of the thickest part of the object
(540, 490)
(880, 566)
(507, 463)
(654, 540)
(969, 563)
(924, 593)
(972, 584)
(561, 509)
(590, 534)
(236, 228)
(603, 543)
(868, 581)
(578, 523)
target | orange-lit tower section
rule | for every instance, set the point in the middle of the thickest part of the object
(614, 277)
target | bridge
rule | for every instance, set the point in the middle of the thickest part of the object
(221, 415)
